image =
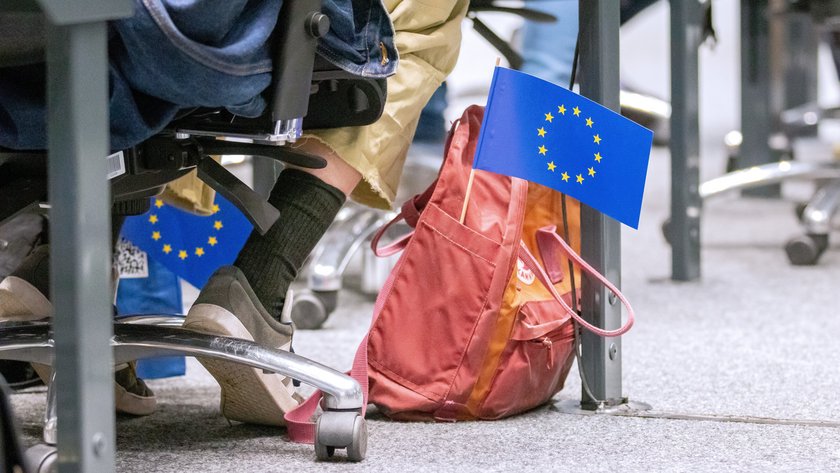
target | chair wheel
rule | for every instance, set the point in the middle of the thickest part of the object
(341, 429)
(312, 308)
(806, 250)
(666, 230)
(42, 458)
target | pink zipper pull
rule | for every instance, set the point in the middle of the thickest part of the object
(548, 345)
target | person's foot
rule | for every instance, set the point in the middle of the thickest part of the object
(227, 306)
(21, 301)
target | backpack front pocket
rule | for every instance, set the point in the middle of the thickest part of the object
(535, 363)
(440, 291)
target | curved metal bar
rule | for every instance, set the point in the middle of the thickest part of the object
(821, 208)
(30, 342)
(767, 174)
(33, 342)
(336, 249)
(132, 342)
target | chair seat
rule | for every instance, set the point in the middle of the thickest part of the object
(22, 39)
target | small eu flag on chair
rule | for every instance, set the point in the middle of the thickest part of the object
(191, 246)
(544, 133)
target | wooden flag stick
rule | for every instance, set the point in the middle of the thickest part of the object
(472, 178)
(467, 195)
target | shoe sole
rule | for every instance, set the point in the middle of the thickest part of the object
(248, 394)
(20, 301)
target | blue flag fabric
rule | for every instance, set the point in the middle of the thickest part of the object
(191, 246)
(544, 133)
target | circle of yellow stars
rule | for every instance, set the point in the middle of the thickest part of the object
(183, 254)
(596, 139)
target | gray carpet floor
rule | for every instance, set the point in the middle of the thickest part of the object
(755, 337)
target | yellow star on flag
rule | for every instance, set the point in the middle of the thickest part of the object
(199, 251)
(212, 241)
(565, 177)
(541, 131)
(543, 150)
(549, 117)
(562, 109)
(155, 236)
(597, 139)
(577, 111)
(592, 171)
(153, 219)
(551, 166)
(215, 208)
(218, 225)
(589, 122)
(167, 249)
(158, 203)
(580, 179)
(598, 157)
(182, 254)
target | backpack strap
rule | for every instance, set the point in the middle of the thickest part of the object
(549, 244)
(299, 421)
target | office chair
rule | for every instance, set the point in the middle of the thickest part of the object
(306, 93)
(816, 214)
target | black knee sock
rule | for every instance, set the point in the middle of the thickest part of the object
(271, 262)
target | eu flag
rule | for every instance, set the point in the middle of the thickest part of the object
(191, 246)
(544, 133)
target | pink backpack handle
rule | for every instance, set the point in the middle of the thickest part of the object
(394, 247)
(549, 243)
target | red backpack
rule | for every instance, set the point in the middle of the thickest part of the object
(474, 321)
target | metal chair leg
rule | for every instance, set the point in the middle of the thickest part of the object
(51, 413)
(134, 340)
(806, 250)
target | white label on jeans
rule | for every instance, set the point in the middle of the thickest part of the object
(115, 164)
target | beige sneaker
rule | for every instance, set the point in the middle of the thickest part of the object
(227, 306)
(20, 301)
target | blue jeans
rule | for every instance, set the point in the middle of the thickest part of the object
(175, 54)
(548, 49)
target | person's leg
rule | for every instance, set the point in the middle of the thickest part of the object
(246, 300)
(548, 49)
(308, 201)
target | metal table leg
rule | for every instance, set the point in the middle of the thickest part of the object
(601, 247)
(757, 121)
(684, 232)
(80, 229)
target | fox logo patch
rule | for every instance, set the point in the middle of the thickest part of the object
(524, 274)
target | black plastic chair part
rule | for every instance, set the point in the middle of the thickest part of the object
(307, 91)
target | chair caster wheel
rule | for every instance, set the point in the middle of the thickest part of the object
(806, 250)
(312, 308)
(42, 458)
(666, 230)
(341, 429)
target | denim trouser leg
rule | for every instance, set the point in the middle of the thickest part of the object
(174, 54)
(548, 49)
